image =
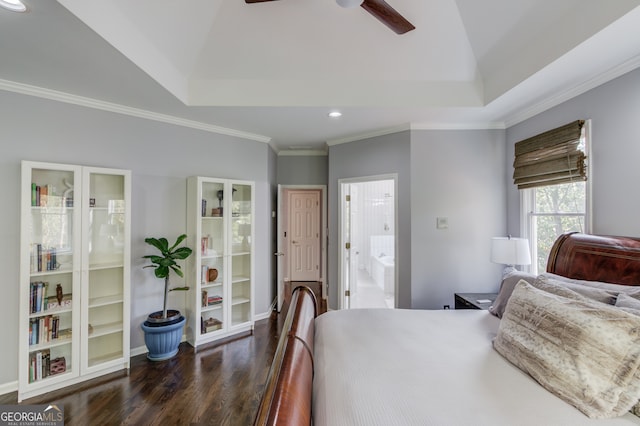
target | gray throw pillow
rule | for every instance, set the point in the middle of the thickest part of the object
(506, 288)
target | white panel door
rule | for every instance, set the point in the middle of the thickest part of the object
(304, 235)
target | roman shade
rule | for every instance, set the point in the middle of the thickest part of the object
(553, 157)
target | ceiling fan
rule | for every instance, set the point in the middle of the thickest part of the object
(380, 9)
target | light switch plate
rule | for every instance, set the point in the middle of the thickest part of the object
(442, 223)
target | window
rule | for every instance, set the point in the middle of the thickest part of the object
(547, 211)
(551, 211)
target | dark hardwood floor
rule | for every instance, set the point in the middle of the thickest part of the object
(220, 384)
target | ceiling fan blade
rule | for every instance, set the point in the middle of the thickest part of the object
(387, 15)
(256, 1)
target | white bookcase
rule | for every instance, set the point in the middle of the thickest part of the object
(220, 229)
(75, 241)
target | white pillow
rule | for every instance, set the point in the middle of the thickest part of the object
(633, 291)
(591, 292)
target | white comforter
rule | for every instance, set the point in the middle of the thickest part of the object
(415, 367)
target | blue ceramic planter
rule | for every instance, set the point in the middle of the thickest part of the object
(162, 341)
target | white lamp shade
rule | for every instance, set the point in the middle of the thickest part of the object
(349, 3)
(510, 251)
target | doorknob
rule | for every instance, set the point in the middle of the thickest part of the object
(278, 254)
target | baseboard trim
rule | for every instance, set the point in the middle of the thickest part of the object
(262, 316)
(8, 387)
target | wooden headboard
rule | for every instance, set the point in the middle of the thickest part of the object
(596, 258)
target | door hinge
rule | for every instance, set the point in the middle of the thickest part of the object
(348, 198)
(347, 293)
(347, 246)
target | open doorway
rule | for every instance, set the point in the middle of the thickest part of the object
(368, 244)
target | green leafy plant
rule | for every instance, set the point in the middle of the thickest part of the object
(167, 262)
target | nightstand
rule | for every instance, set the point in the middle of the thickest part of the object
(474, 300)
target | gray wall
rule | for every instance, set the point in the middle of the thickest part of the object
(458, 175)
(453, 174)
(370, 157)
(302, 170)
(462, 175)
(160, 156)
(614, 109)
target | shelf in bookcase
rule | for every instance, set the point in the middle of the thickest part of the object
(103, 208)
(212, 256)
(50, 344)
(108, 265)
(55, 311)
(112, 356)
(217, 330)
(239, 300)
(52, 378)
(210, 308)
(211, 284)
(51, 209)
(240, 279)
(241, 253)
(105, 300)
(104, 329)
(58, 271)
(211, 217)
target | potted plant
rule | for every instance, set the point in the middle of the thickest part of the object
(163, 329)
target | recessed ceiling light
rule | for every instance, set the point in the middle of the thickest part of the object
(335, 114)
(13, 5)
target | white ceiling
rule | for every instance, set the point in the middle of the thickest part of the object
(272, 71)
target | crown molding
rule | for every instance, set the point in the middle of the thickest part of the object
(368, 135)
(459, 126)
(303, 152)
(54, 95)
(572, 92)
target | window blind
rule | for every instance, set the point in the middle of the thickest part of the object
(553, 157)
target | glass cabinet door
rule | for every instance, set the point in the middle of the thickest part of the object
(213, 242)
(51, 259)
(106, 275)
(241, 230)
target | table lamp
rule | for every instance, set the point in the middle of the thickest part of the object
(510, 251)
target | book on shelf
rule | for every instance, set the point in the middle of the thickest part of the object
(211, 324)
(39, 365)
(45, 195)
(38, 296)
(40, 302)
(44, 329)
(204, 274)
(214, 300)
(204, 298)
(43, 258)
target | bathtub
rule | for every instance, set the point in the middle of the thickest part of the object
(383, 268)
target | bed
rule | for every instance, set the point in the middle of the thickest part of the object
(416, 367)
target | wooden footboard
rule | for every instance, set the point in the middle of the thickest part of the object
(287, 395)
